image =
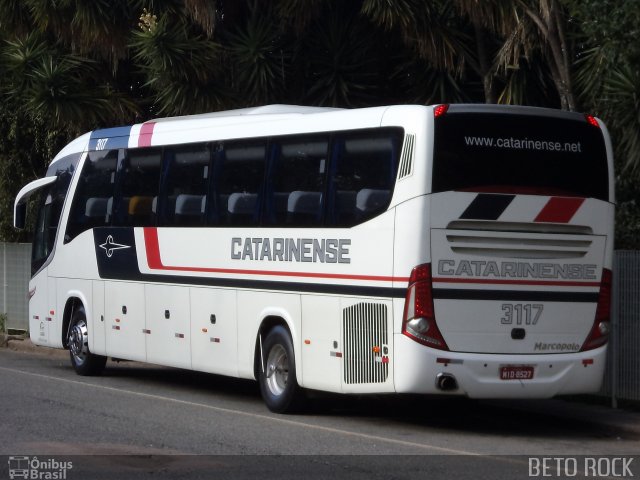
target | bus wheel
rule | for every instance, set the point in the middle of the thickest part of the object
(84, 362)
(277, 375)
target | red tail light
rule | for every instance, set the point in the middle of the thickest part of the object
(419, 322)
(592, 120)
(601, 325)
(440, 110)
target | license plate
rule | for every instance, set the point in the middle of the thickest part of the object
(516, 372)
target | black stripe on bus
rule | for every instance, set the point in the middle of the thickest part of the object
(123, 265)
(323, 288)
(514, 295)
(487, 206)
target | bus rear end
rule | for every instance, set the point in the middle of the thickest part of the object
(514, 300)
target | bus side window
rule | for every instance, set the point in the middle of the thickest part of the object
(363, 175)
(185, 182)
(93, 194)
(296, 181)
(139, 179)
(238, 181)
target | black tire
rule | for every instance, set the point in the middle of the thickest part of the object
(83, 361)
(277, 373)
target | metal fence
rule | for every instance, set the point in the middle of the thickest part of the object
(622, 378)
(15, 266)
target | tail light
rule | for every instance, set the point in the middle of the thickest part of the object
(601, 325)
(418, 322)
(591, 120)
(440, 110)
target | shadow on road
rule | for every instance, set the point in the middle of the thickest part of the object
(540, 418)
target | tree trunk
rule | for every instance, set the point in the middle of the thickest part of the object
(551, 28)
(484, 66)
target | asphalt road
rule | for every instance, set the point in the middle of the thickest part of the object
(141, 421)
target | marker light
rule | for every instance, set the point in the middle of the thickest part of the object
(440, 110)
(592, 120)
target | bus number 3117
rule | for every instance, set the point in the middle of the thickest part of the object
(520, 313)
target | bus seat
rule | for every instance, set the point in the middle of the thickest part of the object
(241, 206)
(189, 204)
(303, 207)
(140, 205)
(95, 213)
(96, 207)
(369, 200)
(189, 208)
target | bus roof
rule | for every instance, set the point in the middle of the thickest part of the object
(258, 122)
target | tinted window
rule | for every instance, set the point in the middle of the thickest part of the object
(185, 185)
(363, 174)
(506, 153)
(50, 209)
(136, 203)
(297, 181)
(93, 197)
(238, 177)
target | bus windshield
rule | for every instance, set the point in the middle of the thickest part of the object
(49, 210)
(514, 153)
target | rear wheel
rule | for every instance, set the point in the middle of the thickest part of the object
(277, 375)
(83, 361)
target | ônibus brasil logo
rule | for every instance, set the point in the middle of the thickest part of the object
(36, 469)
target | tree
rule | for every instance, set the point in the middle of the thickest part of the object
(68, 66)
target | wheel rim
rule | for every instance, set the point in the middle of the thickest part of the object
(277, 370)
(78, 342)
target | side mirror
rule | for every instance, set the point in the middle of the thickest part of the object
(20, 205)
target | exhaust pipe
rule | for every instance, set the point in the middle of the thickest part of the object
(446, 382)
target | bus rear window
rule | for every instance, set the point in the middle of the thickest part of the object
(513, 153)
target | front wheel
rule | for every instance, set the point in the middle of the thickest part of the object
(277, 374)
(83, 361)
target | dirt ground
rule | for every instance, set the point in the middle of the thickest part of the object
(21, 344)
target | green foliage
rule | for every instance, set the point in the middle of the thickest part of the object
(3, 322)
(261, 58)
(341, 65)
(69, 66)
(178, 65)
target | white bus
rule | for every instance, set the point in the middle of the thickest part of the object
(462, 249)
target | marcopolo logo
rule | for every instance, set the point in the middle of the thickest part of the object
(38, 469)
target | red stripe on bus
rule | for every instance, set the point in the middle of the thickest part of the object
(488, 281)
(559, 210)
(152, 247)
(146, 132)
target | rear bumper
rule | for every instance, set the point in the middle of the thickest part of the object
(416, 368)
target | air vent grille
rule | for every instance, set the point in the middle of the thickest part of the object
(365, 343)
(406, 162)
(517, 245)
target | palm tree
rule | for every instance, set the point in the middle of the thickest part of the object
(178, 63)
